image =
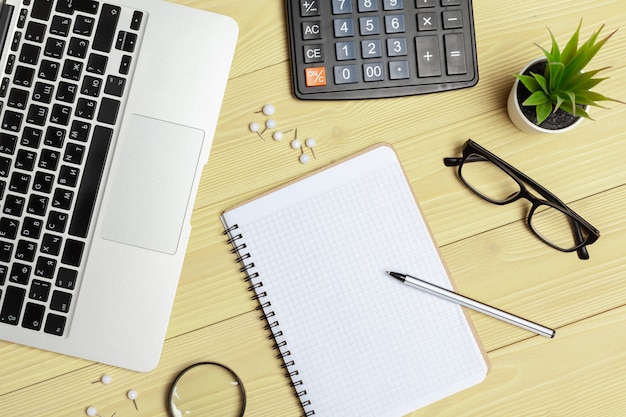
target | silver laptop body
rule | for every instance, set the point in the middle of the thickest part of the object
(91, 255)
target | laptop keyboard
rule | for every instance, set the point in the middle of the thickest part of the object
(62, 93)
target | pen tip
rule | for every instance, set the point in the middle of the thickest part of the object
(396, 275)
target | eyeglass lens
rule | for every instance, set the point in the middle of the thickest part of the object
(488, 180)
(494, 184)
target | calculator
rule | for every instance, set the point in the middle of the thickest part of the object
(359, 49)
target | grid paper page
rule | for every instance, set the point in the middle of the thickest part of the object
(363, 343)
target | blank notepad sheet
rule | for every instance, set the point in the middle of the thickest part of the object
(359, 343)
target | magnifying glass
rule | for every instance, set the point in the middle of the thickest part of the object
(207, 389)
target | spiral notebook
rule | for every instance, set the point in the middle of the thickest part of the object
(354, 341)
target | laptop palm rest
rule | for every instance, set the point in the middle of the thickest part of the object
(149, 194)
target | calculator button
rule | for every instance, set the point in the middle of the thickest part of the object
(396, 47)
(345, 74)
(343, 27)
(371, 49)
(455, 51)
(373, 72)
(315, 77)
(425, 3)
(393, 4)
(342, 6)
(345, 51)
(399, 70)
(394, 24)
(311, 31)
(369, 26)
(452, 19)
(313, 53)
(368, 5)
(426, 21)
(427, 48)
(309, 8)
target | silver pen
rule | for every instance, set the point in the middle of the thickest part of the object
(473, 304)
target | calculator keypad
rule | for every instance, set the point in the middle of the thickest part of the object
(355, 49)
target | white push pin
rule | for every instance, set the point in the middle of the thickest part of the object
(270, 124)
(295, 144)
(304, 158)
(280, 135)
(254, 127)
(106, 379)
(310, 142)
(268, 110)
(132, 395)
(92, 412)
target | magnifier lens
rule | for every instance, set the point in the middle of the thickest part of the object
(207, 389)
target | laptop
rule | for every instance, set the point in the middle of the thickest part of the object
(107, 115)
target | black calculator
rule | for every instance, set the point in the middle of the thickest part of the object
(358, 49)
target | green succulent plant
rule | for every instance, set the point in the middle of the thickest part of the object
(564, 85)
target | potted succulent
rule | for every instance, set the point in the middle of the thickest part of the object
(552, 93)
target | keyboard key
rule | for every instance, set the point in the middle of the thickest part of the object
(107, 26)
(33, 316)
(97, 63)
(88, 6)
(12, 305)
(72, 252)
(51, 244)
(55, 324)
(7, 143)
(68, 176)
(29, 54)
(56, 221)
(37, 205)
(60, 301)
(35, 32)
(37, 115)
(41, 9)
(39, 290)
(23, 76)
(85, 108)
(12, 121)
(115, 86)
(8, 228)
(66, 278)
(135, 23)
(77, 47)
(109, 110)
(32, 227)
(43, 92)
(60, 25)
(83, 25)
(45, 267)
(25, 250)
(72, 69)
(20, 273)
(88, 190)
(18, 98)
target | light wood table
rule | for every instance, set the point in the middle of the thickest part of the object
(489, 251)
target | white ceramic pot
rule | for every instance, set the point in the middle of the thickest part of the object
(520, 120)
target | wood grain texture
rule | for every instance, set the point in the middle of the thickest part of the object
(488, 249)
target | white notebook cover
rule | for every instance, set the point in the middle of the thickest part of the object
(358, 342)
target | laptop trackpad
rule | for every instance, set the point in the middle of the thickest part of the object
(152, 183)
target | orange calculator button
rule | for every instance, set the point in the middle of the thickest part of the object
(315, 77)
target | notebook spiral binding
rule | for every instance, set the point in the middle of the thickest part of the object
(272, 325)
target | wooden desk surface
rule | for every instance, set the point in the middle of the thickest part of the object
(489, 251)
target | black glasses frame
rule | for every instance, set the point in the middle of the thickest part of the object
(584, 233)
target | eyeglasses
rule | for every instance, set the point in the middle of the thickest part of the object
(551, 220)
